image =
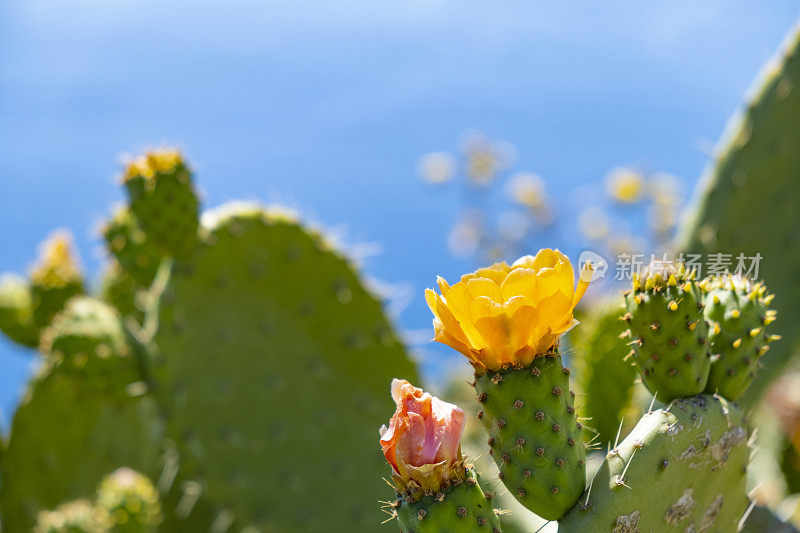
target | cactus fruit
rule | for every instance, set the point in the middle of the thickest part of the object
(738, 314)
(603, 375)
(461, 508)
(246, 323)
(78, 516)
(131, 501)
(746, 203)
(16, 311)
(534, 435)
(668, 332)
(163, 199)
(681, 468)
(127, 242)
(79, 419)
(55, 279)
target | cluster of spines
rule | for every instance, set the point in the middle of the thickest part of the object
(664, 311)
(738, 314)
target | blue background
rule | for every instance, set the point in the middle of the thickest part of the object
(327, 107)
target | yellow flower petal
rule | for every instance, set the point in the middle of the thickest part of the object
(484, 287)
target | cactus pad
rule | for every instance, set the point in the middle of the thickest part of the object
(738, 314)
(669, 333)
(462, 508)
(682, 468)
(604, 377)
(535, 437)
(69, 431)
(271, 366)
(163, 199)
(127, 242)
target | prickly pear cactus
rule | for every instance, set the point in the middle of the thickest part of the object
(164, 201)
(81, 417)
(682, 468)
(534, 435)
(462, 508)
(604, 378)
(669, 333)
(738, 313)
(747, 202)
(271, 362)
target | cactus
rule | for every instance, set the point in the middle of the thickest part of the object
(131, 501)
(738, 313)
(745, 203)
(248, 319)
(605, 379)
(163, 199)
(81, 417)
(534, 435)
(669, 333)
(462, 508)
(682, 468)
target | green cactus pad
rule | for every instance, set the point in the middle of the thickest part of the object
(738, 313)
(127, 242)
(604, 376)
(462, 508)
(131, 501)
(163, 199)
(682, 468)
(669, 334)
(16, 311)
(78, 516)
(747, 202)
(535, 437)
(272, 367)
(80, 418)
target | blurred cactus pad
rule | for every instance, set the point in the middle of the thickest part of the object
(239, 363)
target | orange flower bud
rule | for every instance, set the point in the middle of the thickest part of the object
(423, 441)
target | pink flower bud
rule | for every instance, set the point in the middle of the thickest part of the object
(423, 440)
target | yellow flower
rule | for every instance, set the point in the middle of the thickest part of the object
(624, 185)
(503, 315)
(57, 265)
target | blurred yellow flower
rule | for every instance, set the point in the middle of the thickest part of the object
(527, 189)
(58, 265)
(504, 316)
(147, 165)
(625, 185)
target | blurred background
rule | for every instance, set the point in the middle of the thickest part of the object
(430, 136)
